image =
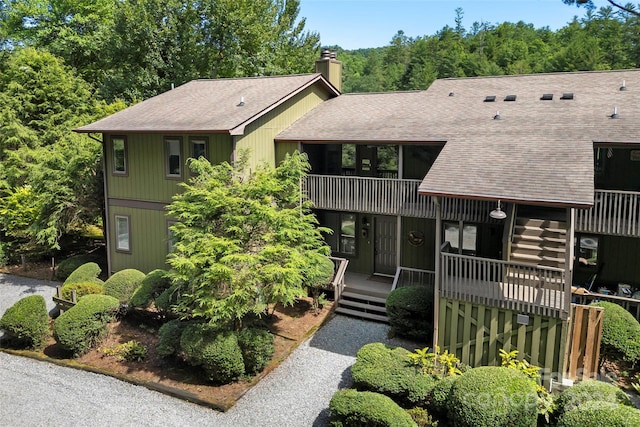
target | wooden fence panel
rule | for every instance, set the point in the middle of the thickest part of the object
(583, 345)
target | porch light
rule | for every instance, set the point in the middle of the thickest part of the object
(498, 213)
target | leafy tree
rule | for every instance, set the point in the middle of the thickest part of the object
(242, 241)
(589, 5)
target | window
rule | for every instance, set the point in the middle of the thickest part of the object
(123, 241)
(174, 157)
(198, 148)
(467, 240)
(587, 249)
(119, 155)
(347, 242)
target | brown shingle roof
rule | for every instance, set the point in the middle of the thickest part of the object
(540, 151)
(207, 106)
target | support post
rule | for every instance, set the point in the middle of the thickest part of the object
(436, 288)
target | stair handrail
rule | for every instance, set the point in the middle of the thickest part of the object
(340, 268)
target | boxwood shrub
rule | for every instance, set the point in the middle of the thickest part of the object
(82, 326)
(410, 312)
(257, 348)
(216, 351)
(386, 370)
(123, 283)
(69, 265)
(82, 289)
(491, 396)
(597, 414)
(150, 288)
(169, 338)
(26, 323)
(620, 333)
(87, 272)
(590, 390)
(439, 396)
(351, 408)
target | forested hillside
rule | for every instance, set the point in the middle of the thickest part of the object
(65, 63)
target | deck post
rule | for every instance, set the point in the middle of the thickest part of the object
(570, 255)
(436, 282)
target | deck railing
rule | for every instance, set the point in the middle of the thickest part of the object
(386, 196)
(339, 269)
(613, 212)
(406, 276)
(523, 288)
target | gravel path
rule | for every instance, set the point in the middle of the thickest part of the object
(297, 393)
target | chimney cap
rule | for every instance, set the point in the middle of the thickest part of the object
(328, 54)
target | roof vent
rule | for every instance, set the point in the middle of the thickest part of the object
(497, 116)
(624, 86)
(547, 97)
(451, 94)
(490, 99)
(615, 113)
(567, 95)
(241, 104)
(510, 98)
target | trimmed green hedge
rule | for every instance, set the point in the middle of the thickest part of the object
(491, 396)
(123, 283)
(587, 391)
(257, 348)
(351, 408)
(410, 312)
(82, 326)
(216, 351)
(598, 414)
(150, 288)
(26, 323)
(87, 272)
(169, 338)
(82, 289)
(440, 394)
(620, 333)
(386, 370)
(69, 265)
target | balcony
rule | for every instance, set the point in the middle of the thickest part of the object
(388, 196)
(523, 288)
(613, 212)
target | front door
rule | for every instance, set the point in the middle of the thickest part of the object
(385, 245)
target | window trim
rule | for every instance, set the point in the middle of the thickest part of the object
(115, 172)
(459, 246)
(195, 139)
(167, 140)
(127, 218)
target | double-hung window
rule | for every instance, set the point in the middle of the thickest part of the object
(173, 150)
(123, 233)
(119, 152)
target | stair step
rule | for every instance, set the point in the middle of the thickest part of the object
(362, 314)
(532, 229)
(363, 297)
(539, 239)
(535, 246)
(348, 303)
(541, 223)
(539, 258)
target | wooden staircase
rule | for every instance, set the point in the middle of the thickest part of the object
(539, 242)
(364, 303)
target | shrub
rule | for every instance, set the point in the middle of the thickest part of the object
(620, 333)
(216, 351)
(318, 276)
(597, 414)
(440, 394)
(493, 396)
(388, 371)
(150, 288)
(26, 323)
(590, 390)
(82, 289)
(351, 408)
(82, 326)
(257, 348)
(131, 351)
(69, 265)
(123, 283)
(410, 312)
(166, 299)
(87, 272)
(169, 338)
(421, 417)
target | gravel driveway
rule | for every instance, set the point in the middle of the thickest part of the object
(297, 393)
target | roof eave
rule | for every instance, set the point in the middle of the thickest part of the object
(532, 201)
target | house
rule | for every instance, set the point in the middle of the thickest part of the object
(499, 193)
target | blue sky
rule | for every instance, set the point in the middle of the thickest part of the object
(354, 24)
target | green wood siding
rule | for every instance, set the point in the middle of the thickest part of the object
(418, 256)
(476, 333)
(145, 179)
(284, 148)
(258, 136)
(147, 237)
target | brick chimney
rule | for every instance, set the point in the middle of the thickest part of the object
(330, 68)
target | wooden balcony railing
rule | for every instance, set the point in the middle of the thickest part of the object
(387, 196)
(523, 288)
(613, 212)
(406, 276)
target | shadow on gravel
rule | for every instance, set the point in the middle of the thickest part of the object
(346, 381)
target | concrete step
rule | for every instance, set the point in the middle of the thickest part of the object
(361, 314)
